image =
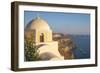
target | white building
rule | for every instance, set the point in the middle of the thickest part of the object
(42, 35)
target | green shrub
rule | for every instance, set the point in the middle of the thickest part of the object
(31, 51)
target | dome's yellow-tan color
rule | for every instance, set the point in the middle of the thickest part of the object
(38, 24)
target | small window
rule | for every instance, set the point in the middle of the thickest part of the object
(41, 37)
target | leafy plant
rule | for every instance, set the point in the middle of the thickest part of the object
(31, 50)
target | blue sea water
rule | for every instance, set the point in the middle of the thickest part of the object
(82, 49)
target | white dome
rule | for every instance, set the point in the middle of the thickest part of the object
(38, 24)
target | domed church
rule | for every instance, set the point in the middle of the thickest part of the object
(42, 35)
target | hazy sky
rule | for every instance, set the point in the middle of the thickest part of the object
(68, 23)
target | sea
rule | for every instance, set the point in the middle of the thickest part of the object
(82, 49)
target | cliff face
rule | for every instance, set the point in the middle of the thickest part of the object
(65, 45)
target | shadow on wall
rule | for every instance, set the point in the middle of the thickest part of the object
(47, 56)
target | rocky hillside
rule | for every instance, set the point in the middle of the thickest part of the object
(65, 45)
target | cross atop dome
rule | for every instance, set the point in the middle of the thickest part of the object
(38, 24)
(38, 17)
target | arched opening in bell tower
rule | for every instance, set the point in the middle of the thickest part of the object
(41, 37)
